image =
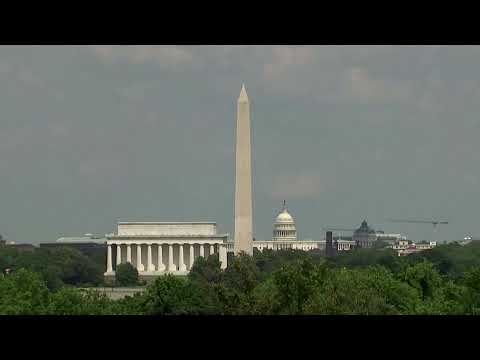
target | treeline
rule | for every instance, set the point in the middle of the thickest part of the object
(57, 267)
(445, 280)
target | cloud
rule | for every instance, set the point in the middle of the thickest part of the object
(162, 55)
(5, 68)
(284, 59)
(293, 186)
(100, 166)
(285, 70)
(417, 76)
(21, 76)
(360, 85)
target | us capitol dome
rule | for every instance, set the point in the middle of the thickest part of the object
(284, 228)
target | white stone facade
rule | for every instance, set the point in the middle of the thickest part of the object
(405, 247)
(305, 245)
(156, 248)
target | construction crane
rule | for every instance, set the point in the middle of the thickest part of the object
(417, 221)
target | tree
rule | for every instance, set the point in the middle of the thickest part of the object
(23, 292)
(126, 275)
(348, 292)
(366, 257)
(130, 305)
(423, 277)
(451, 259)
(72, 301)
(295, 283)
(266, 298)
(60, 266)
(269, 260)
(242, 274)
(208, 270)
(471, 281)
(171, 295)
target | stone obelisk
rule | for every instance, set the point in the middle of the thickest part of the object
(243, 178)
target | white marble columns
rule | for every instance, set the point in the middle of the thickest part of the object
(181, 260)
(192, 256)
(129, 253)
(171, 266)
(222, 255)
(160, 266)
(109, 259)
(212, 249)
(139, 258)
(119, 254)
(152, 263)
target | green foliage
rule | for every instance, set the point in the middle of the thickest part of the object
(364, 281)
(295, 283)
(242, 274)
(424, 278)
(171, 295)
(126, 275)
(130, 305)
(367, 257)
(452, 259)
(471, 282)
(72, 301)
(266, 298)
(23, 293)
(269, 260)
(348, 292)
(371, 290)
(207, 270)
(57, 266)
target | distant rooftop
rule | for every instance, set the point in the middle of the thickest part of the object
(165, 222)
(87, 238)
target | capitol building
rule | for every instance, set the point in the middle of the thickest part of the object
(285, 237)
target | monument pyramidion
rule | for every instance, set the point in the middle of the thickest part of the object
(243, 241)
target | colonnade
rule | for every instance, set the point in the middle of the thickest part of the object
(343, 246)
(170, 266)
(295, 244)
(284, 246)
(285, 233)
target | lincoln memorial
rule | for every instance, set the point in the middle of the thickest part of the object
(157, 248)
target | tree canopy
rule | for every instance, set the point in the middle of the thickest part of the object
(126, 275)
(445, 280)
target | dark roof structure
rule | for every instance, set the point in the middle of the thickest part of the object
(364, 229)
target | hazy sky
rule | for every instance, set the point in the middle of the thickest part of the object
(92, 135)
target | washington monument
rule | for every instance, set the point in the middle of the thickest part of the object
(243, 178)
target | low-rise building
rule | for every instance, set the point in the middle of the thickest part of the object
(407, 247)
(88, 244)
(14, 245)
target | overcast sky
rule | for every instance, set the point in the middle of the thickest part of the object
(92, 135)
